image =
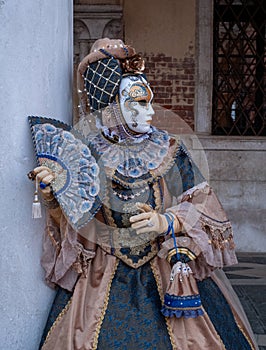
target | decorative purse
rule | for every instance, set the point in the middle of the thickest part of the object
(182, 297)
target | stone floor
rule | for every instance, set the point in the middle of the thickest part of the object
(248, 279)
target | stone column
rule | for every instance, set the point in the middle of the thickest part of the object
(35, 79)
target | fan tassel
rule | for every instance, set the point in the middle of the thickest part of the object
(36, 205)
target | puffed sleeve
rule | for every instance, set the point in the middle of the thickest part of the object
(205, 222)
(65, 256)
(201, 215)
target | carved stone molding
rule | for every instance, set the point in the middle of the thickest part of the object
(92, 22)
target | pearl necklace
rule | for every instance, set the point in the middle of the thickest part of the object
(131, 196)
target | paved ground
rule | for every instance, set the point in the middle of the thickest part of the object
(248, 279)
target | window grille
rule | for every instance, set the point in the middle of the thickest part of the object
(239, 80)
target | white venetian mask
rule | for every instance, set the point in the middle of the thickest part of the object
(135, 98)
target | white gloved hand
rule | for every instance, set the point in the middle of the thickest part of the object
(43, 174)
(46, 176)
(151, 221)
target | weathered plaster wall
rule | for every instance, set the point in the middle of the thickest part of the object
(164, 31)
(36, 70)
(98, 2)
(155, 26)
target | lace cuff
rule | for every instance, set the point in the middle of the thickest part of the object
(205, 221)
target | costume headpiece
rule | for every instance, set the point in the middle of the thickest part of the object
(103, 68)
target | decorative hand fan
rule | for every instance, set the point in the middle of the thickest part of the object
(76, 186)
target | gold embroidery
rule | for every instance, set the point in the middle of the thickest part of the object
(138, 249)
(106, 300)
(58, 319)
(141, 261)
(127, 237)
(181, 250)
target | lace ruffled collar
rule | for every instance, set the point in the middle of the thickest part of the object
(133, 160)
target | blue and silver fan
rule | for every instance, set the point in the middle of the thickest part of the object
(76, 186)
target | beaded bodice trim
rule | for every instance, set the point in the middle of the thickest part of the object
(130, 178)
(135, 250)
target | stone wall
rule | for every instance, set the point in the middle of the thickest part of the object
(238, 175)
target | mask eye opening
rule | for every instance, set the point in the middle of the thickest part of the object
(143, 103)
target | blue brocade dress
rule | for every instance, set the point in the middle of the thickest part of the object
(128, 313)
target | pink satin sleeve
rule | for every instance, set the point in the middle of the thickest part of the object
(64, 257)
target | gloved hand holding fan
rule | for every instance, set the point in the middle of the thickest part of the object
(67, 166)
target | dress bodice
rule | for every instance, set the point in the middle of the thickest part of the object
(130, 178)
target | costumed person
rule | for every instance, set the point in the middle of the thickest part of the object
(137, 257)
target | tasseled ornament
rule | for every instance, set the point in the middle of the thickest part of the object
(182, 297)
(36, 205)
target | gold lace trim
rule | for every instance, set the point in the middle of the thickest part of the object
(249, 340)
(110, 173)
(168, 160)
(161, 294)
(53, 240)
(58, 319)
(220, 234)
(106, 300)
(218, 336)
(157, 197)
